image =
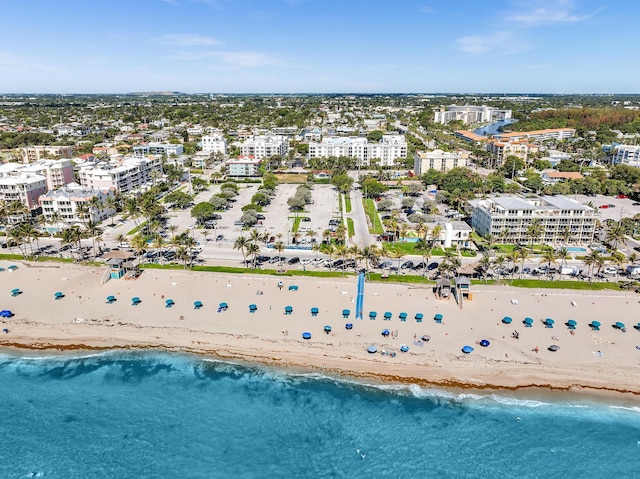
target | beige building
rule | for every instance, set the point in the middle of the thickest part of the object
(439, 160)
(499, 150)
(30, 154)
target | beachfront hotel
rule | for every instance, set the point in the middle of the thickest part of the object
(20, 186)
(439, 160)
(470, 114)
(65, 201)
(513, 215)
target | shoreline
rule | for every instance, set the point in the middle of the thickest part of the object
(82, 321)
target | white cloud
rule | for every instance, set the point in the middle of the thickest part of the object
(545, 12)
(244, 59)
(187, 40)
(500, 43)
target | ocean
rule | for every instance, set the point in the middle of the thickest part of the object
(159, 415)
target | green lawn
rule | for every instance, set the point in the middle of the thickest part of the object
(296, 222)
(136, 229)
(351, 230)
(347, 202)
(375, 223)
(235, 270)
(410, 248)
(578, 285)
(340, 203)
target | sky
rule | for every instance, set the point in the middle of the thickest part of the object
(319, 46)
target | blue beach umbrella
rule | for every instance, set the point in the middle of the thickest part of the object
(404, 348)
(223, 305)
(348, 326)
(467, 349)
(135, 301)
(387, 315)
(111, 299)
(372, 349)
(385, 332)
(345, 313)
(197, 304)
(327, 329)
(619, 325)
(484, 343)
(507, 320)
(306, 335)
(572, 323)
(595, 325)
(528, 322)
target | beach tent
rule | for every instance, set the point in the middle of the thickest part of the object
(348, 326)
(5, 313)
(404, 348)
(484, 343)
(553, 348)
(386, 332)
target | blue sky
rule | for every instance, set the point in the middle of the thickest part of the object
(296, 46)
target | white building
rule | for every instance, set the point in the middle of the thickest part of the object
(57, 172)
(509, 217)
(471, 114)
(21, 186)
(439, 160)
(265, 146)
(627, 155)
(538, 135)
(387, 150)
(243, 166)
(152, 148)
(214, 144)
(128, 175)
(65, 201)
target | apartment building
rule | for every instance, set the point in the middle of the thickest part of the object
(65, 201)
(627, 155)
(129, 175)
(30, 154)
(510, 217)
(243, 166)
(264, 146)
(214, 144)
(470, 114)
(57, 172)
(21, 186)
(499, 150)
(439, 160)
(387, 150)
(538, 135)
(153, 148)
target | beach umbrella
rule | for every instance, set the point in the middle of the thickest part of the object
(553, 348)
(637, 326)
(13, 267)
(404, 348)
(572, 324)
(223, 305)
(372, 349)
(288, 309)
(169, 303)
(348, 326)
(438, 317)
(484, 343)
(387, 315)
(467, 349)
(5, 330)
(197, 304)
(385, 332)
(111, 299)
(327, 329)
(528, 321)
(252, 307)
(595, 325)
(15, 292)
(314, 311)
(372, 315)
(306, 335)
(58, 295)
(403, 316)
(619, 325)
(345, 313)
(507, 320)
(549, 321)
(135, 301)
(425, 338)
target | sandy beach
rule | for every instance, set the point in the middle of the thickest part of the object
(592, 362)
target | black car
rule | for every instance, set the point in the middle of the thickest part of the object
(294, 260)
(406, 265)
(306, 219)
(262, 259)
(420, 266)
(432, 266)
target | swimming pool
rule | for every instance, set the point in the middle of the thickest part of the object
(575, 249)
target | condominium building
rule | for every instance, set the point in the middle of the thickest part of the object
(243, 166)
(387, 150)
(57, 172)
(509, 218)
(470, 114)
(152, 148)
(65, 201)
(129, 175)
(499, 150)
(439, 160)
(627, 155)
(30, 154)
(21, 186)
(265, 146)
(539, 135)
(214, 144)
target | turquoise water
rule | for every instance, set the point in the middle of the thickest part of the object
(155, 415)
(575, 249)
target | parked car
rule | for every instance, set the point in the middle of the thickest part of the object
(260, 217)
(406, 265)
(622, 197)
(603, 207)
(238, 223)
(432, 266)
(262, 259)
(306, 219)
(219, 237)
(420, 266)
(385, 264)
(611, 205)
(306, 261)
(294, 260)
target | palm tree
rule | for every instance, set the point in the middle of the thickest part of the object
(55, 218)
(316, 249)
(534, 230)
(499, 261)
(424, 249)
(619, 260)
(139, 243)
(329, 250)
(93, 230)
(354, 253)
(485, 264)
(112, 203)
(435, 234)
(341, 250)
(279, 247)
(513, 256)
(370, 255)
(549, 257)
(615, 233)
(253, 250)
(562, 254)
(394, 252)
(523, 255)
(182, 254)
(241, 244)
(17, 236)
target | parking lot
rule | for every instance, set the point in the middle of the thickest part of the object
(622, 207)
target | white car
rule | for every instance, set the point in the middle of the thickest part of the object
(610, 270)
(306, 261)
